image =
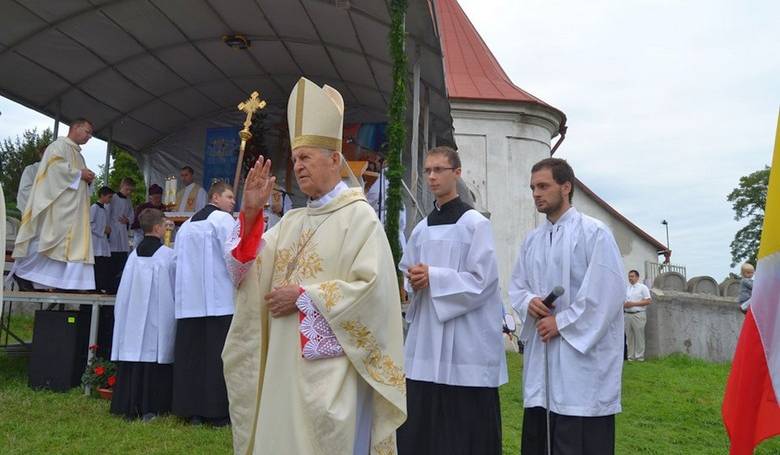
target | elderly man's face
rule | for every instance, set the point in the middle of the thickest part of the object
(317, 171)
(186, 177)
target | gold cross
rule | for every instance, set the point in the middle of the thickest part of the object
(250, 106)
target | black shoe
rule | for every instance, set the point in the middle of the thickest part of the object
(219, 422)
(196, 420)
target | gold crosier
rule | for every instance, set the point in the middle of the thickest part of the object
(249, 106)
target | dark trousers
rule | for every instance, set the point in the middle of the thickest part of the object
(570, 435)
(118, 260)
(450, 420)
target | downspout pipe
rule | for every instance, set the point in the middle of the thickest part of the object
(562, 131)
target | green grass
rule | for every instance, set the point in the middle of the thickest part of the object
(670, 406)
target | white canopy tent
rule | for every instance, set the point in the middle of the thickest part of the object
(154, 74)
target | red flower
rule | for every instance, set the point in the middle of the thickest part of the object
(93, 347)
(99, 371)
(111, 380)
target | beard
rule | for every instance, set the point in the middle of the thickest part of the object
(553, 206)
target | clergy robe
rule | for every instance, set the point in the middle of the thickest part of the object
(25, 185)
(119, 240)
(377, 197)
(454, 350)
(191, 198)
(144, 332)
(578, 253)
(98, 220)
(281, 402)
(54, 244)
(204, 308)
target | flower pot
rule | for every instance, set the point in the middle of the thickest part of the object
(105, 393)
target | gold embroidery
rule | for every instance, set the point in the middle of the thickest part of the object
(380, 367)
(330, 294)
(386, 447)
(297, 263)
(348, 194)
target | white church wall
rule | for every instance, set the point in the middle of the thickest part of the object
(498, 144)
(634, 249)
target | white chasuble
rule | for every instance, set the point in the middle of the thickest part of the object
(144, 322)
(578, 253)
(57, 211)
(283, 403)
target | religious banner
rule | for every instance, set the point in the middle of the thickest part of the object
(221, 154)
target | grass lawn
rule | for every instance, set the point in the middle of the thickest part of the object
(670, 406)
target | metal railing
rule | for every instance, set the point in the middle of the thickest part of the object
(653, 269)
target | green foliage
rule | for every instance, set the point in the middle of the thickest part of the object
(749, 200)
(396, 128)
(99, 373)
(125, 165)
(18, 153)
(670, 406)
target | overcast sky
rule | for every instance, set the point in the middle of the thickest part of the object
(668, 103)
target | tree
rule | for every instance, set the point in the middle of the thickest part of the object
(18, 153)
(748, 201)
(125, 165)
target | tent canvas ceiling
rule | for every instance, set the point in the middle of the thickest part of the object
(143, 70)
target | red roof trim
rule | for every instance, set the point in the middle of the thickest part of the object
(471, 70)
(636, 229)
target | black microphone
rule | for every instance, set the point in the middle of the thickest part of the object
(554, 294)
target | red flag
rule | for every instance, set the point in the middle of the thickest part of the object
(750, 410)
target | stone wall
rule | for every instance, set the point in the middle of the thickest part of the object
(701, 325)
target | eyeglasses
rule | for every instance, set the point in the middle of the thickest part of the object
(436, 170)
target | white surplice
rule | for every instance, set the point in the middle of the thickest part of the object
(120, 206)
(578, 253)
(144, 322)
(25, 185)
(98, 220)
(203, 285)
(455, 323)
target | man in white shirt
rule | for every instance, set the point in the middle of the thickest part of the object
(578, 341)
(454, 351)
(637, 299)
(192, 197)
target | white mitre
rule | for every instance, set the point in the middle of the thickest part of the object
(315, 116)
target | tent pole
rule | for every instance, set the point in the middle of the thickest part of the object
(57, 119)
(426, 116)
(109, 143)
(415, 123)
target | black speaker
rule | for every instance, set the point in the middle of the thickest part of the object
(59, 350)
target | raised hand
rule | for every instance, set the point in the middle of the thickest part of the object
(258, 186)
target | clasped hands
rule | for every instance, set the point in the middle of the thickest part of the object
(418, 276)
(546, 326)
